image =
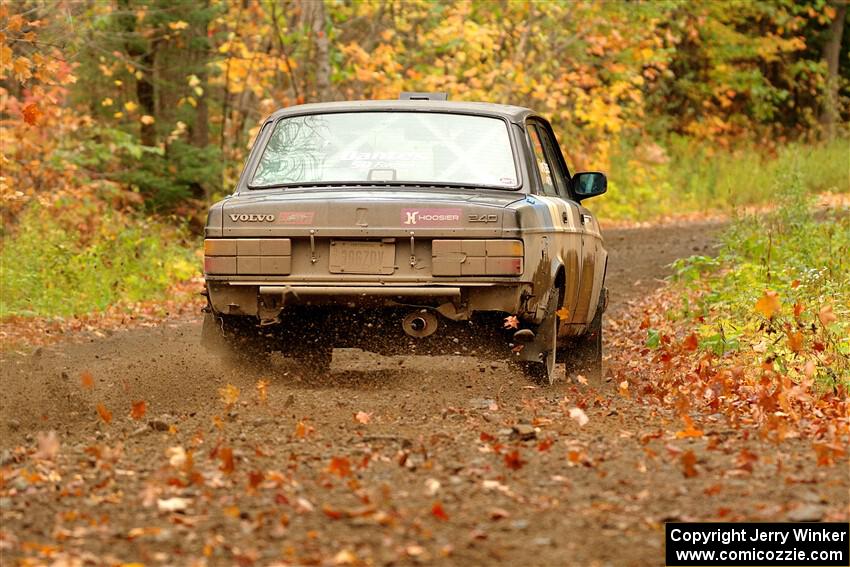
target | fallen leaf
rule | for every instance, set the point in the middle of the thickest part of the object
(225, 455)
(511, 322)
(768, 305)
(579, 416)
(438, 512)
(363, 417)
(690, 430)
(229, 394)
(513, 460)
(302, 430)
(48, 446)
(175, 504)
(255, 478)
(104, 413)
(176, 456)
(432, 486)
(87, 380)
(345, 557)
(690, 343)
(795, 341)
(339, 466)
(563, 313)
(138, 410)
(498, 514)
(545, 445)
(689, 459)
(826, 316)
(746, 460)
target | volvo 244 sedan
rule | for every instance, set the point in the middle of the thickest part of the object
(408, 226)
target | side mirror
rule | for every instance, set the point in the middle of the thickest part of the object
(589, 184)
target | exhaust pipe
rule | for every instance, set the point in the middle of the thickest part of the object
(420, 324)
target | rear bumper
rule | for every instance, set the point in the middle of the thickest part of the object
(267, 300)
(361, 290)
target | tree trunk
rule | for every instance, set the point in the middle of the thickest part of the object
(313, 17)
(145, 94)
(201, 127)
(831, 53)
(144, 53)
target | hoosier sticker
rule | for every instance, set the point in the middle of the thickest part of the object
(430, 217)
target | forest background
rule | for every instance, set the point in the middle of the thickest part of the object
(121, 120)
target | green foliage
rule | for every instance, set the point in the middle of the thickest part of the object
(50, 268)
(793, 257)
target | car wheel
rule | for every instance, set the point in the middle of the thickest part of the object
(585, 356)
(543, 371)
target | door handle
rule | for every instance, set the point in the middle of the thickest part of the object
(565, 216)
(586, 219)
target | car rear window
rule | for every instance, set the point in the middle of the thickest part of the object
(388, 147)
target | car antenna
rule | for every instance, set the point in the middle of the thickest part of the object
(408, 95)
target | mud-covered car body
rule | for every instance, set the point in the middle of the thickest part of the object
(364, 257)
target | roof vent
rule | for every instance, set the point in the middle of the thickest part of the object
(423, 96)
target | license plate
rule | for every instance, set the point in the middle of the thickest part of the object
(362, 257)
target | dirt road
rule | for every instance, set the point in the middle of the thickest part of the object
(453, 461)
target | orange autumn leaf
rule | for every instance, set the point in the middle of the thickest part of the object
(302, 430)
(826, 316)
(513, 460)
(691, 342)
(689, 430)
(87, 380)
(255, 478)
(332, 513)
(795, 341)
(768, 305)
(138, 410)
(225, 455)
(511, 322)
(339, 466)
(32, 114)
(798, 310)
(439, 512)
(104, 413)
(563, 313)
(363, 417)
(689, 459)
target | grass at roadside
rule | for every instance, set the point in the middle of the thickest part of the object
(779, 292)
(757, 337)
(647, 183)
(60, 262)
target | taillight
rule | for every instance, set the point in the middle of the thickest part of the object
(477, 257)
(248, 256)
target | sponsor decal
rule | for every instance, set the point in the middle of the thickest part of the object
(295, 217)
(430, 217)
(252, 218)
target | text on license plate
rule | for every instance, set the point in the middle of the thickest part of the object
(348, 257)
